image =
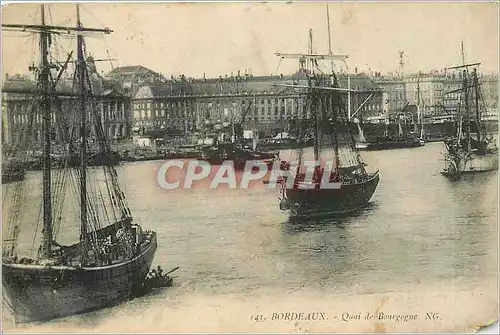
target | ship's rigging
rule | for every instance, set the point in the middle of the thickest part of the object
(324, 116)
(56, 183)
(324, 119)
(471, 150)
(104, 249)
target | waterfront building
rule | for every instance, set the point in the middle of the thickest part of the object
(257, 101)
(163, 108)
(429, 88)
(394, 95)
(21, 116)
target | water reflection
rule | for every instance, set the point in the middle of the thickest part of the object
(295, 225)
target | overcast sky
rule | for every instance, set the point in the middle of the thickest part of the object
(220, 38)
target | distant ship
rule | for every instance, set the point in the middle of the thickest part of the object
(284, 141)
(392, 142)
(216, 155)
(469, 152)
(401, 140)
(113, 255)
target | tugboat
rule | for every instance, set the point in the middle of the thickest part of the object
(283, 141)
(216, 155)
(112, 255)
(351, 186)
(394, 142)
(469, 152)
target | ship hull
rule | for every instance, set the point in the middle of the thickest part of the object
(481, 163)
(392, 145)
(283, 146)
(318, 202)
(39, 293)
(13, 176)
(473, 164)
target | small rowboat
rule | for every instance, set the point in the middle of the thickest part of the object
(163, 281)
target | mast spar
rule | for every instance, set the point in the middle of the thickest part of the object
(419, 108)
(83, 128)
(46, 107)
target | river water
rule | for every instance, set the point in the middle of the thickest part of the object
(237, 252)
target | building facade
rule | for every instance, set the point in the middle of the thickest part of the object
(22, 117)
(258, 102)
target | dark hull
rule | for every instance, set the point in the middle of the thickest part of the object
(13, 176)
(240, 164)
(317, 202)
(74, 161)
(34, 295)
(283, 146)
(392, 145)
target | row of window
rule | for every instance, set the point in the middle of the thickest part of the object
(149, 105)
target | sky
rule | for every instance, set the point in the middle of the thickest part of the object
(219, 38)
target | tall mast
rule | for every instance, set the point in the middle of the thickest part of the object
(401, 63)
(83, 128)
(311, 62)
(47, 91)
(304, 61)
(315, 104)
(46, 112)
(467, 112)
(418, 102)
(476, 97)
(329, 34)
(462, 52)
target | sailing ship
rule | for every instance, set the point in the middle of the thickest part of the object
(468, 151)
(401, 140)
(112, 255)
(325, 118)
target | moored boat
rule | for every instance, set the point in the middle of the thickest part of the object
(469, 152)
(112, 255)
(399, 142)
(238, 156)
